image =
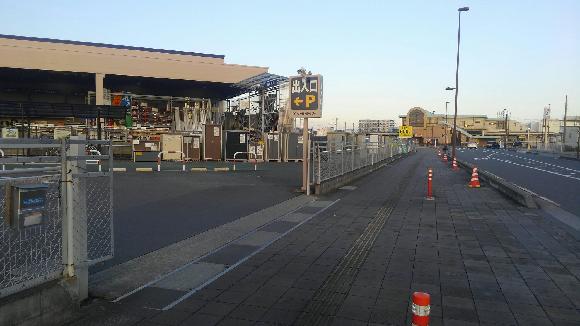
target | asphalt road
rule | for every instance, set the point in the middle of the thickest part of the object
(153, 210)
(547, 175)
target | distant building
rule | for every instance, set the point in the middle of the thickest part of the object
(429, 127)
(368, 125)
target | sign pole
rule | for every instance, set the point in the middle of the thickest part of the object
(305, 142)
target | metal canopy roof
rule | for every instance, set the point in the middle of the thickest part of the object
(262, 81)
(33, 110)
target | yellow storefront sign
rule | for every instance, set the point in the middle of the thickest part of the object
(405, 132)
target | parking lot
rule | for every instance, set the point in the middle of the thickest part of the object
(156, 209)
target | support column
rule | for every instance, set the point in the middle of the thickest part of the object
(99, 89)
(99, 100)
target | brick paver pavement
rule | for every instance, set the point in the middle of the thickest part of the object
(484, 260)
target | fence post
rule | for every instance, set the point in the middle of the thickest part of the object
(352, 151)
(77, 217)
(342, 158)
(318, 155)
(110, 156)
(65, 180)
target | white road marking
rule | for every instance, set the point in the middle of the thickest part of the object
(538, 169)
(542, 162)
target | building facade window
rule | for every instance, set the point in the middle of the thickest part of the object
(416, 118)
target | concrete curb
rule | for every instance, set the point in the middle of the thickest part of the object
(130, 275)
(520, 195)
(334, 183)
(568, 158)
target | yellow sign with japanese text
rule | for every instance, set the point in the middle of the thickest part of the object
(405, 132)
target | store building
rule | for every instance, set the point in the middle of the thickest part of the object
(146, 88)
(369, 126)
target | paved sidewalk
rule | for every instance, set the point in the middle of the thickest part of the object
(483, 259)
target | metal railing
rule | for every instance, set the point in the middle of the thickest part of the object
(255, 159)
(333, 159)
(170, 152)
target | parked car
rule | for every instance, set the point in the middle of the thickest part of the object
(492, 145)
(472, 145)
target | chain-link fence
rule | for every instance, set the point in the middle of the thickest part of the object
(54, 219)
(30, 255)
(93, 201)
(333, 159)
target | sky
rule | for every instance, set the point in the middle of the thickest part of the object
(378, 58)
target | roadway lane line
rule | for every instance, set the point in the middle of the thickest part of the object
(542, 162)
(536, 168)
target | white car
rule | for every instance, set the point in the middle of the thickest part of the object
(472, 145)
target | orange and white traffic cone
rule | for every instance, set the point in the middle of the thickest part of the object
(454, 166)
(445, 158)
(439, 153)
(474, 183)
(421, 308)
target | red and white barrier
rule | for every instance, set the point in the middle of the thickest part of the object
(474, 182)
(421, 308)
(430, 184)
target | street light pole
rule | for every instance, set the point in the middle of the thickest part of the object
(453, 134)
(506, 127)
(446, 122)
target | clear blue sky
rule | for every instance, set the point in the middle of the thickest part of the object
(378, 58)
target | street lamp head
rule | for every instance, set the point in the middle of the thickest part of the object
(463, 9)
(449, 88)
(447, 102)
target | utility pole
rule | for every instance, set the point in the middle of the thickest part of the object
(336, 124)
(506, 113)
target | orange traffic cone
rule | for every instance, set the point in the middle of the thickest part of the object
(445, 158)
(474, 183)
(439, 153)
(454, 166)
